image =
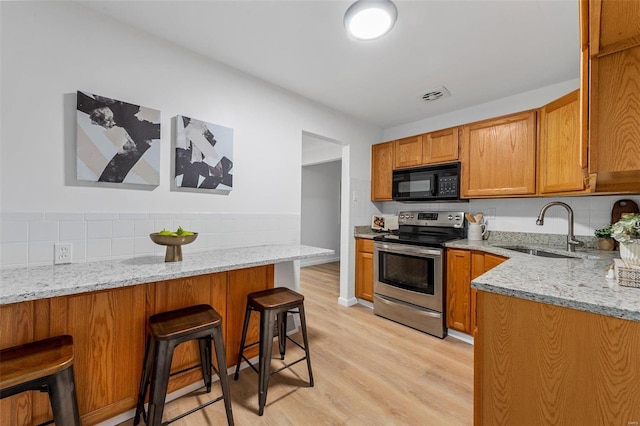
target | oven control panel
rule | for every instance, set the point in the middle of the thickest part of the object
(420, 218)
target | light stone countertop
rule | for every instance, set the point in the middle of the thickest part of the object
(32, 283)
(578, 283)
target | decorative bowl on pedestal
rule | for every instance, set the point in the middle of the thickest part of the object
(174, 244)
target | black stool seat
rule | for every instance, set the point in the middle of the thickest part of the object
(167, 330)
(45, 365)
(273, 305)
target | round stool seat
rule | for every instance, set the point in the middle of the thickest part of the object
(31, 361)
(183, 322)
(46, 366)
(274, 298)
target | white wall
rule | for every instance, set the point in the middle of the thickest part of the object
(320, 212)
(521, 102)
(52, 49)
(316, 150)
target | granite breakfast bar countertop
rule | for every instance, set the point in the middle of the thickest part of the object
(578, 283)
(40, 282)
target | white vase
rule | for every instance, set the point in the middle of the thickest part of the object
(630, 252)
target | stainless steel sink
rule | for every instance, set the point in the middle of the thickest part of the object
(538, 252)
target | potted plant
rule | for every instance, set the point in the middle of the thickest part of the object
(605, 242)
(627, 232)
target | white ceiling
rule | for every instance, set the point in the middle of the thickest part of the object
(479, 50)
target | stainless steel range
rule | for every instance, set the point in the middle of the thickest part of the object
(409, 269)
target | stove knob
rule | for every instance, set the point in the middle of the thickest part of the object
(450, 217)
(458, 217)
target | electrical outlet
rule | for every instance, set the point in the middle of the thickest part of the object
(62, 253)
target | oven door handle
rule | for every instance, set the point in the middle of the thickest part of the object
(407, 249)
(423, 311)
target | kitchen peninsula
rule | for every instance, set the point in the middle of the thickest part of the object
(105, 305)
(557, 342)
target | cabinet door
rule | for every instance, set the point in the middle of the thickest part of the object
(440, 146)
(615, 121)
(561, 166)
(21, 323)
(108, 329)
(364, 269)
(381, 171)
(615, 25)
(613, 91)
(240, 283)
(458, 290)
(480, 263)
(499, 156)
(407, 152)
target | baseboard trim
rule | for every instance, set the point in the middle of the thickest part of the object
(347, 302)
(460, 336)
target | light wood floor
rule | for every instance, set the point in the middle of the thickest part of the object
(367, 371)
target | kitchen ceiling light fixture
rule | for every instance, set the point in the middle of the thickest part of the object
(370, 19)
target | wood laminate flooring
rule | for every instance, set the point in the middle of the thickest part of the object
(367, 371)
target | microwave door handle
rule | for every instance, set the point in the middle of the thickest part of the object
(434, 185)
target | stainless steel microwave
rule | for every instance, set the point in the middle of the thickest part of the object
(439, 182)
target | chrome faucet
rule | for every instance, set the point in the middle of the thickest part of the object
(571, 241)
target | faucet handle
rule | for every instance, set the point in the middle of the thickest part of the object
(575, 242)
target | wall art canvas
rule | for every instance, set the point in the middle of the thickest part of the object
(204, 155)
(117, 142)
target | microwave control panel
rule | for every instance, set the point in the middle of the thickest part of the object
(448, 186)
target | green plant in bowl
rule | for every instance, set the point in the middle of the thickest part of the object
(605, 242)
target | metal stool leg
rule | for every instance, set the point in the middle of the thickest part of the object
(303, 324)
(282, 333)
(222, 373)
(204, 344)
(159, 382)
(267, 320)
(147, 364)
(62, 394)
(247, 316)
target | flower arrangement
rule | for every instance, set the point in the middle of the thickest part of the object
(627, 232)
(627, 229)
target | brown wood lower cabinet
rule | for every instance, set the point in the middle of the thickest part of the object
(108, 329)
(462, 267)
(539, 364)
(364, 269)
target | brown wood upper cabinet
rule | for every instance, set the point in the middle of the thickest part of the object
(562, 154)
(381, 171)
(498, 156)
(614, 82)
(441, 146)
(407, 152)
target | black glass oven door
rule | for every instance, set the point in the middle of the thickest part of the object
(408, 272)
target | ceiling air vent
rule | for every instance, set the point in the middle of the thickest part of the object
(435, 94)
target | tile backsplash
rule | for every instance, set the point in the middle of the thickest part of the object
(27, 238)
(519, 214)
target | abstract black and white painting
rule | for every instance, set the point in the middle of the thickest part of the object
(204, 155)
(117, 142)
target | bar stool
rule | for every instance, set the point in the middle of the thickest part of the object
(273, 305)
(46, 366)
(167, 330)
